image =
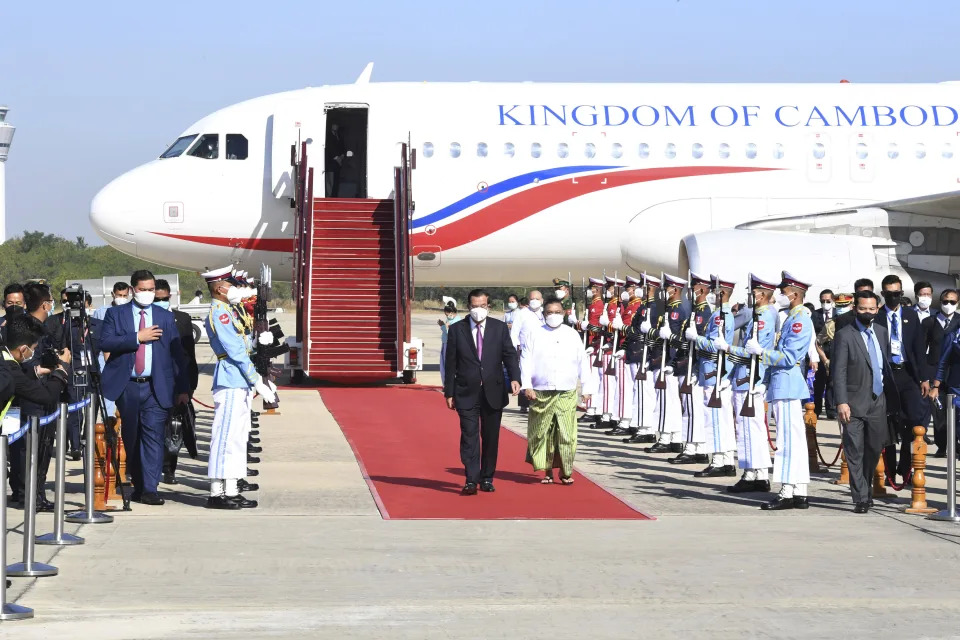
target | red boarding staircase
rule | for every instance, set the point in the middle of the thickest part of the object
(354, 283)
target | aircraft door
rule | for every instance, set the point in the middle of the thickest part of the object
(345, 151)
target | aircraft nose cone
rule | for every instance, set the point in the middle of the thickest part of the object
(111, 215)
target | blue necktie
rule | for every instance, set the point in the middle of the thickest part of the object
(896, 358)
(875, 364)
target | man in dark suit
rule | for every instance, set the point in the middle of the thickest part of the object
(185, 329)
(935, 327)
(859, 372)
(145, 374)
(908, 371)
(478, 351)
(846, 319)
(822, 386)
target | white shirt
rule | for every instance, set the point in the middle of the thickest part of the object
(554, 360)
(944, 320)
(923, 313)
(524, 321)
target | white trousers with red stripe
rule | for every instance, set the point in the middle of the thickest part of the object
(721, 437)
(693, 418)
(669, 412)
(639, 399)
(609, 390)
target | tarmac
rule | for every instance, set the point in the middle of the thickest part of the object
(316, 560)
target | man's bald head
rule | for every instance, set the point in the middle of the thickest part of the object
(535, 295)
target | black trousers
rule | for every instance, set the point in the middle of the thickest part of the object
(479, 440)
(169, 462)
(910, 414)
(863, 440)
(823, 393)
(18, 461)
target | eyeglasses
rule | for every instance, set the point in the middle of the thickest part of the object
(948, 301)
(167, 299)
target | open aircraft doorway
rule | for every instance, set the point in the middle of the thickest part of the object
(345, 152)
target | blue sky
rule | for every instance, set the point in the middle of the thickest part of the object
(98, 88)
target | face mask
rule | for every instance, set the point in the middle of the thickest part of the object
(535, 304)
(608, 294)
(866, 319)
(13, 310)
(560, 293)
(144, 298)
(782, 300)
(554, 320)
(892, 298)
(479, 314)
(625, 296)
(842, 310)
(163, 304)
(511, 305)
(712, 299)
(450, 317)
(924, 302)
(826, 306)
(234, 295)
(119, 301)
(948, 308)
(27, 357)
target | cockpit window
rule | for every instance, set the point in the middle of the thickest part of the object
(236, 147)
(207, 147)
(178, 147)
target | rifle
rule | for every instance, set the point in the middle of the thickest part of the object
(264, 354)
(661, 382)
(611, 366)
(586, 307)
(598, 361)
(642, 369)
(687, 386)
(714, 401)
(749, 409)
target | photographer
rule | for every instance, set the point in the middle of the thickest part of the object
(35, 389)
(68, 327)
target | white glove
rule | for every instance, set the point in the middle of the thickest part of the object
(753, 347)
(665, 333)
(572, 317)
(668, 370)
(584, 324)
(589, 351)
(264, 390)
(720, 343)
(760, 389)
(725, 384)
(645, 326)
(604, 320)
(620, 354)
(617, 323)
(691, 333)
(266, 338)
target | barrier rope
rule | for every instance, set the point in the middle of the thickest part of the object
(820, 453)
(45, 420)
(202, 404)
(766, 421)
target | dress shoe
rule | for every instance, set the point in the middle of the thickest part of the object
(941, 453)
(469, 489)
(744, 486)
(252, 472)
(618, 431)
(723, 471)
(243, 485)
(74, 455)
(870, 502)
(151, 498)
(135, 496)
(253, 440)
(251, 448)
(684, 458)
(762, 485)
(15, 500)
(252, 459)
(778, 505)
(658, 448)
(170, 478)
(44, 505)
(861, 507)
(676, 447)
(243, 502)
(254, 414)
(586, 418)
(640, 438)
(801, 502)
(487, 485)
(221, 502)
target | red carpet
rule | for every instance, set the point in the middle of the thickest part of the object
(407, 443)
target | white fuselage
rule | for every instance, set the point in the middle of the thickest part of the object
(518, 183)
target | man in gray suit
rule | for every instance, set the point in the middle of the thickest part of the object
(859, 370)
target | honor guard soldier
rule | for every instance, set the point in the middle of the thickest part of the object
(715, 383)
(234, 383)
(695, 448)
(669, 330)
(786, 391)
(753, 450)
(562, 292)
(608, 396)
(632, 301)
(639, 347)
(592, 328)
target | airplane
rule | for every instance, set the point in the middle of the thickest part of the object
(516, 183)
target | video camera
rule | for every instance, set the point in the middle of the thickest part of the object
(75, 301)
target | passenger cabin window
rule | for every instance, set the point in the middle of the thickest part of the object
(751, 150)
(697, 150)
(509, 149)
(724, 150)
(644, 150)
(921, 151)
(862, 151)
(616, 150)
(207, 147)
(947, 152)
(481, 149)
(590, 150)
(819, 151)
(671, 151)
(892, 151)
(236, 147)
(454, 149)
(777, 151)
(178, 147)
(427, 149)
(535, 150)
(563, 150)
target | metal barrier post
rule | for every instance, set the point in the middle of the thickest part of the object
(950, 513)
(28, 568)
(7, 611)
(88, 515)
(58, 537)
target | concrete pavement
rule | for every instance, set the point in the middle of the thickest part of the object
(317, 561)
